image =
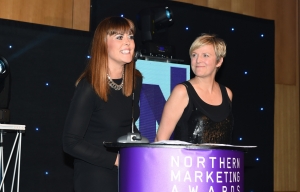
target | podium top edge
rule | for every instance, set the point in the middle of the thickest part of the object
(12, 127)
(183, 146)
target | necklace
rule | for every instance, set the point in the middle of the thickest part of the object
(113, 85)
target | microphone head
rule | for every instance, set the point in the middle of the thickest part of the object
(132, 138)
(137, 55)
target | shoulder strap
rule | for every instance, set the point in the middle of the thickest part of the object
(225, 94)
(187, 86)
(189, 90)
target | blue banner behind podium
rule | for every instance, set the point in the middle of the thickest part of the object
(159, 79)
(170, 169)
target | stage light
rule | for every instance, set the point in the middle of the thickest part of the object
(163, 18)
(4, 67)
(4, 90)
(154, 23)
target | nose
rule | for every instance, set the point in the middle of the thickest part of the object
(126, 41)
(197, 59)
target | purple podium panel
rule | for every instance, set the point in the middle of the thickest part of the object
(154, 169)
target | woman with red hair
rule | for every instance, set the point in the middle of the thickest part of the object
(101, 108)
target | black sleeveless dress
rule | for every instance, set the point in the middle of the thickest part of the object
(204, 123)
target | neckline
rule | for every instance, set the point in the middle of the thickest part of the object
(206, 102)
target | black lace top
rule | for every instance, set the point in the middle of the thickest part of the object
(204, 123)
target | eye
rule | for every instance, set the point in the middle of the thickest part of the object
(205, 55)
(193, 55)
(131, 37)
(119, 37)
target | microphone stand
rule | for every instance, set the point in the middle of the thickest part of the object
(133, 137)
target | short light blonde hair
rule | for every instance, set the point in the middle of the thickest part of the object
(208, 39)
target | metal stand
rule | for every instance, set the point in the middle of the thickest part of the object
(18, 140)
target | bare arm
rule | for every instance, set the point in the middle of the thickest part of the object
(172, 112)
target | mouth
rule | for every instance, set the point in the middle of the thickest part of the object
(125, 51)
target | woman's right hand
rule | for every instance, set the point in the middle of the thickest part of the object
(117, 160)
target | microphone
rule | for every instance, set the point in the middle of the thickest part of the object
(133, 137)
(137, 55)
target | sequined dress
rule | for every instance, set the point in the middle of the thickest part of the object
(204, 123)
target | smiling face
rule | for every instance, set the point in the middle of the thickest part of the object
(120, 48)
(207, 53)
(204, 61)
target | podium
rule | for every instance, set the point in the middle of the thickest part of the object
(180, 168)
(19, 129)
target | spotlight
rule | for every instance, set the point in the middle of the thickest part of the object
(4, 67)
(154, 23)
(163, 18)
(4, 90)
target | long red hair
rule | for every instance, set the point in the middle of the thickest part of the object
(97, 67)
